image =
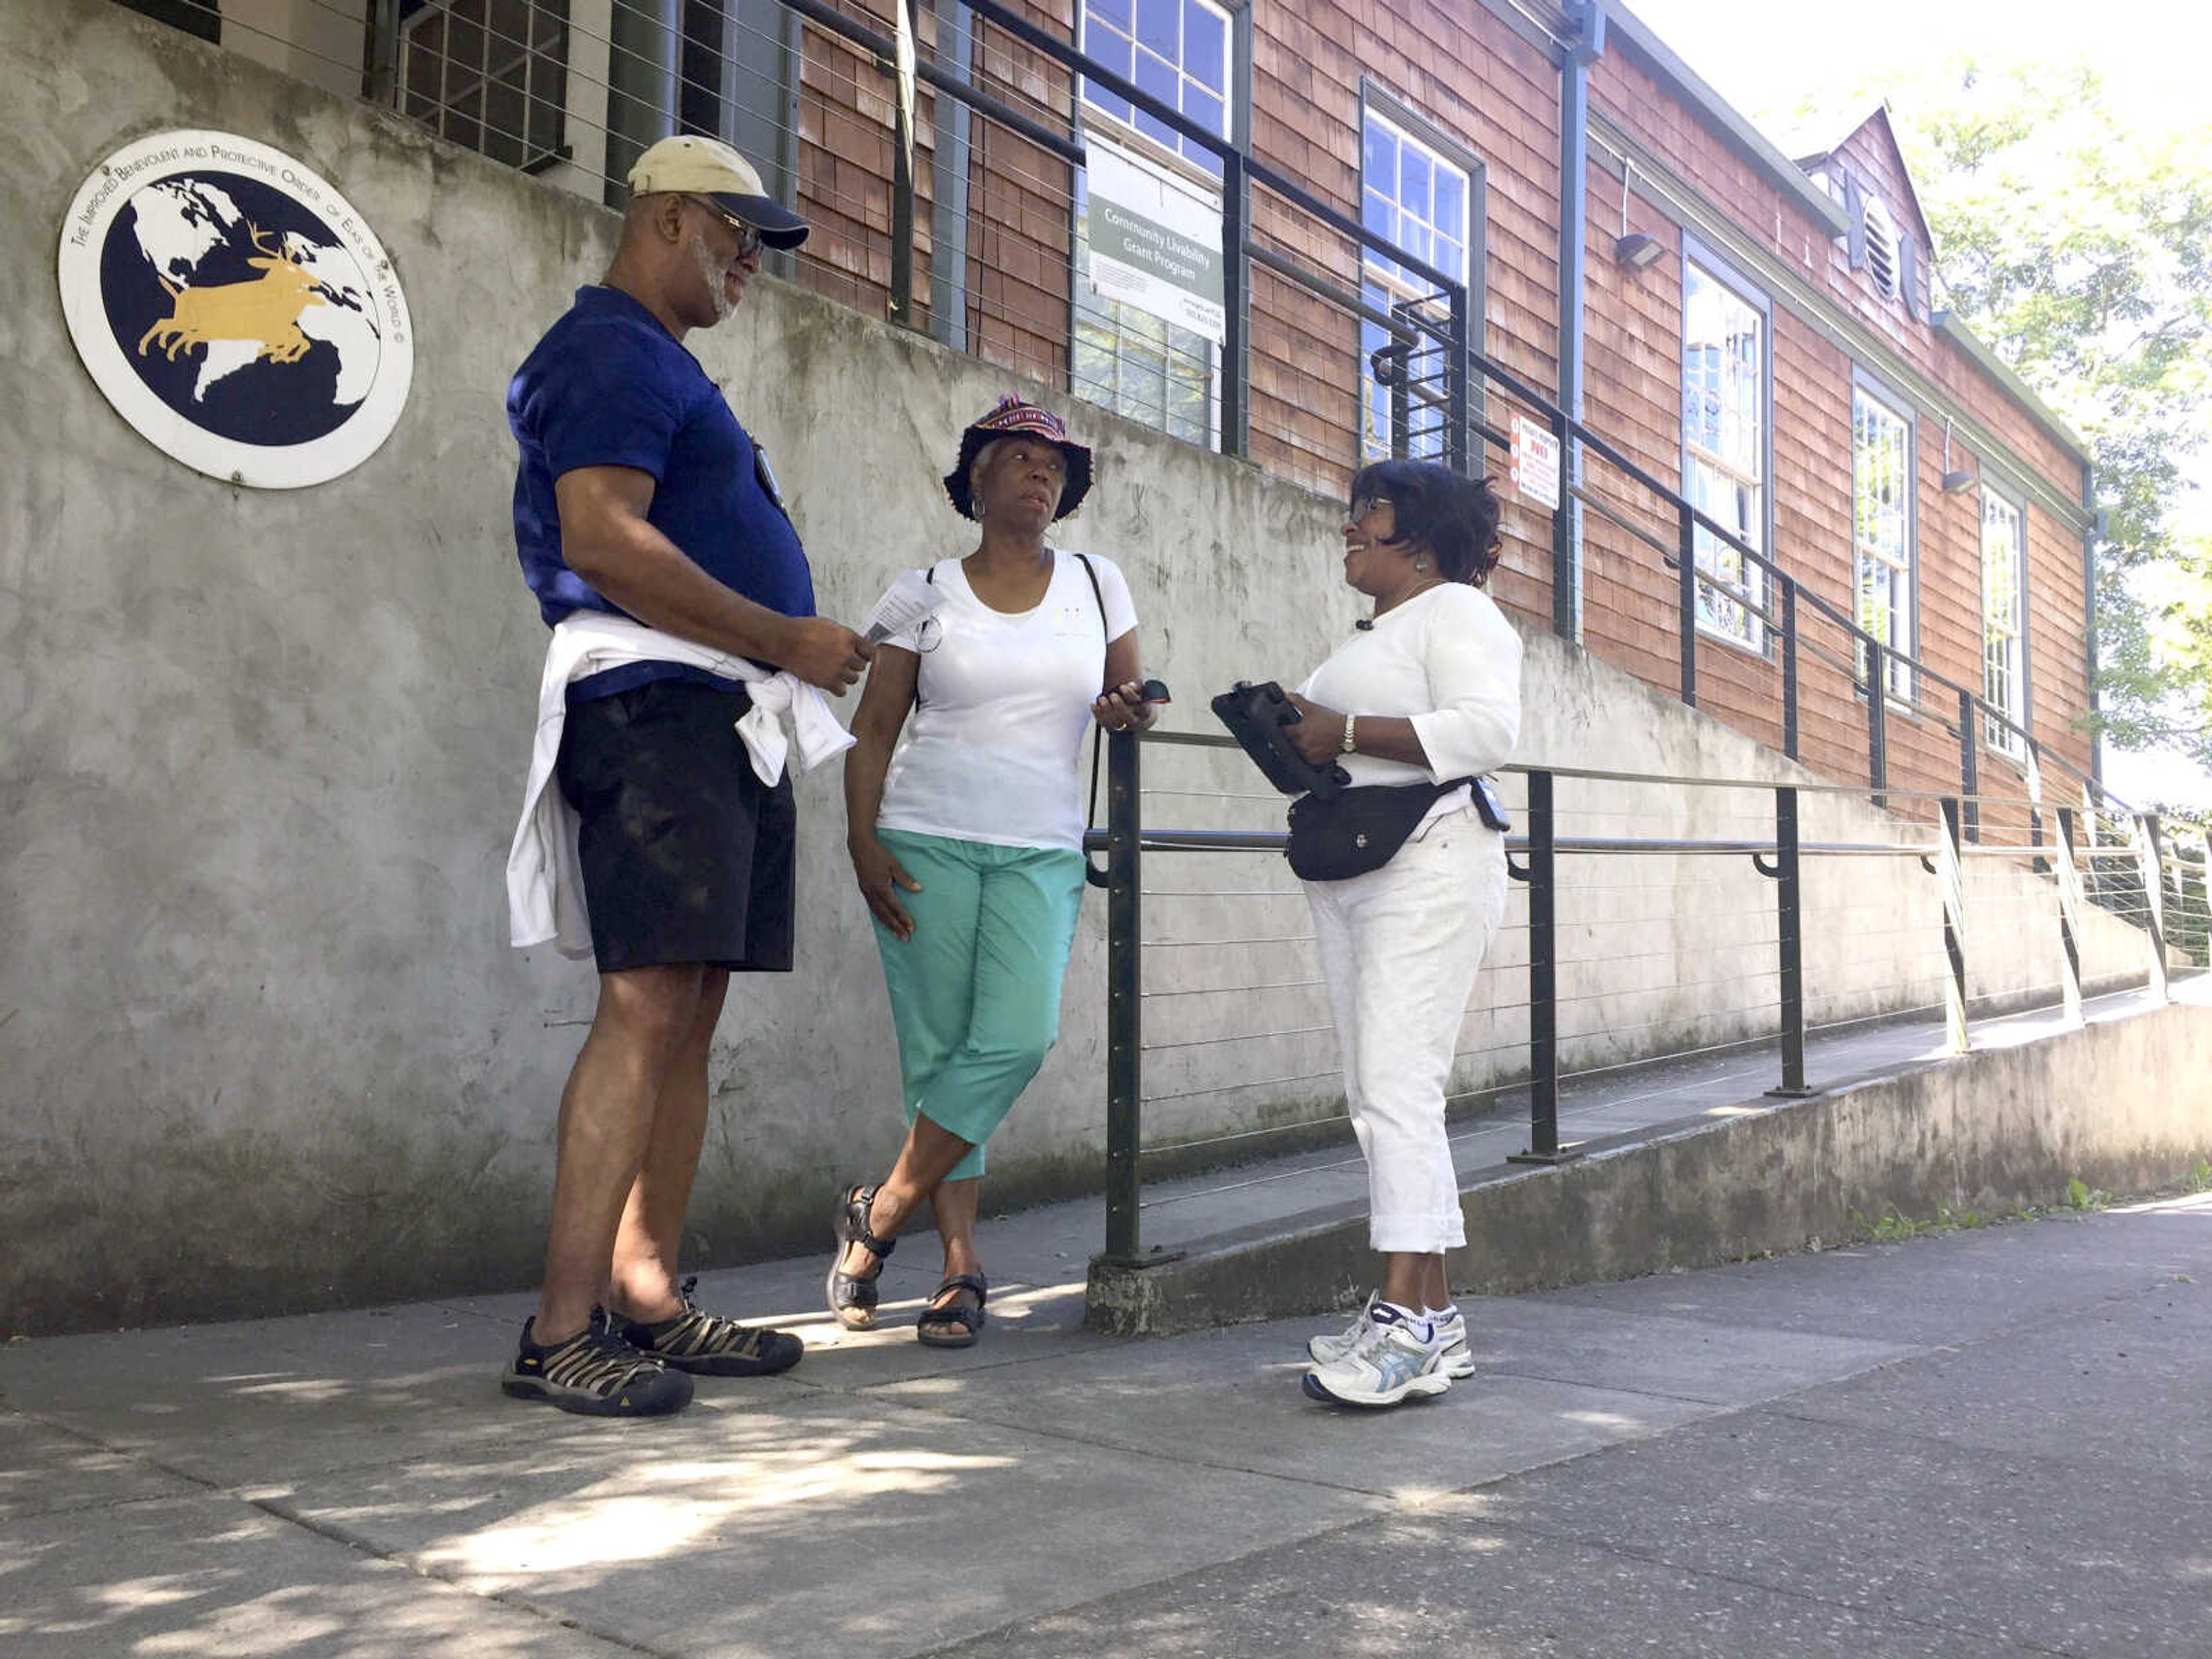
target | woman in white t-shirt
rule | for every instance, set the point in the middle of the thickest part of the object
(965, 829)
(1425, 692)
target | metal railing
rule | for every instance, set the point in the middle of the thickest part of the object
(2029, 896)
(937, 154)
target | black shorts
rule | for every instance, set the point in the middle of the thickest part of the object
(687, 855)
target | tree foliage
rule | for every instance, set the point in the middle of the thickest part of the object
(2075, 236)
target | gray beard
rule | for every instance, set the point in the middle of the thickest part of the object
(711, 269)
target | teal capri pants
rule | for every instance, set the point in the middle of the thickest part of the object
(976, 993)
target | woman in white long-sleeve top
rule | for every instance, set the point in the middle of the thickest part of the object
(1426, 692)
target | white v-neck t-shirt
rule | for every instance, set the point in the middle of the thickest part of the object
(1447, 659)
(1002, 702)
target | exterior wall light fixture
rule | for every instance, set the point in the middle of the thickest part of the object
(1634, 249)
(1954, 478)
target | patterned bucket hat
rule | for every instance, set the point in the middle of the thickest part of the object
(1009, 415)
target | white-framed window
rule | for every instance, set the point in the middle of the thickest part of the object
(1725, 445)
(2004, 621)
(1120, 356)
(1181, 51)
(1419, 199)
(1882, 532)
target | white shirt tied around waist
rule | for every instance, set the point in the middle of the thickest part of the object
(544, 882)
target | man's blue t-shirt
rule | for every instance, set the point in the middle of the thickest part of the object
(608, 386)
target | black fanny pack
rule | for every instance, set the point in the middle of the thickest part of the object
(1360, 830)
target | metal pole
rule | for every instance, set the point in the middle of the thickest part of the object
(1686, 599)
(1950, 869)
(1790, 916)
(1790, 668)
(1543, 980)
(1458, 448)
(1236, 293)
(2153, 880)
(1124, 997)
(903, 174)
(2069, 917)
(1969, 778)
(1877, 721)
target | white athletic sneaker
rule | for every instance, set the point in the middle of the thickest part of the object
(1403, 1358)
(1451, 1338)
(1327, 1350)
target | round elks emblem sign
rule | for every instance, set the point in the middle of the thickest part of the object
(235, 309)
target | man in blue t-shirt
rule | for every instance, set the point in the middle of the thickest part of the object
(640, 496)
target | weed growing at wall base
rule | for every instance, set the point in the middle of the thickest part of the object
(1894, 1226)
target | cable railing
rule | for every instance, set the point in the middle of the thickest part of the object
(944, 159)
(1651, 916)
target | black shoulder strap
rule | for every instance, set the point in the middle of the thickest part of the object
(1096, 877)
(1096, 593)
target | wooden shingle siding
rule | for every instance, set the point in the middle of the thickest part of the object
(1478, 84)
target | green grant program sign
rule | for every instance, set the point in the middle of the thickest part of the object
(1155, 242)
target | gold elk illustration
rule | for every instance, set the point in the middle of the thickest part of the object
(266, 309)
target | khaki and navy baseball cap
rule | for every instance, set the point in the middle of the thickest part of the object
(692, 166)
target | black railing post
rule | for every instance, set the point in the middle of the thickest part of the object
(2151, 860)
(1686, 553)
(1969, 775)
(1567, 573)
(1877, 690)
(1789, 919)
(1789, 737)
(1402, 387)
(2069, 916)
(902, 171)
(1950, 869)
(1543, 978)
(1458, 450)
(1124, 997)
(1236, 293)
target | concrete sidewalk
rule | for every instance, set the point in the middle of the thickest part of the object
(1989, 1442)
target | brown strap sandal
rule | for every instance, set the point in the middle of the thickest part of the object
(852, 1296)
(956, 1323)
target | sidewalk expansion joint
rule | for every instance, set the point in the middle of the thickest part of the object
(276, 1509)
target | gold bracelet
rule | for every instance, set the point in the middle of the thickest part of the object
(1351, 744)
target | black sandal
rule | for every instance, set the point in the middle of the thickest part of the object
(969, 1320)
(852, 1298)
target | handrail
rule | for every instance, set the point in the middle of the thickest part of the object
(2136, 892)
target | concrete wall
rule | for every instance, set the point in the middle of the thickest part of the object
(261, 1042)
(2123, 1106)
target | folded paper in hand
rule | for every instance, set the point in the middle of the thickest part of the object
(905, 603)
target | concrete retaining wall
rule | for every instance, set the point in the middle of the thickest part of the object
(262, 1044)
(2123, 1106)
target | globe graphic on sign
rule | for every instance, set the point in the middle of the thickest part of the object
(241, 310)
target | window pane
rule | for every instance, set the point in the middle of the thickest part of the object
(1160, 80)
(1206, 47)
(1378, 158)
(1204, 108)
(1414, 181)
(1378, 215)
(1108, 104)
(1450, 215)
(1113, 15)
(1160, 26)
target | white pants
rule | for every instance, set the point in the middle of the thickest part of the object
(1399, 947)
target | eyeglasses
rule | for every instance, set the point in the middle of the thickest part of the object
(1366, 505)
(749, 240)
